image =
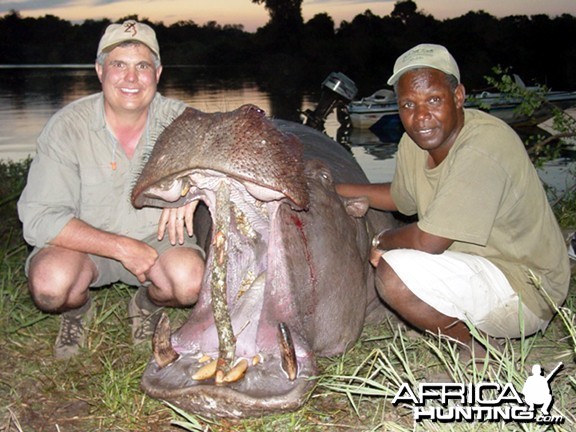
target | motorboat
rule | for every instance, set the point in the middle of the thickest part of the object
(505, 107)
(380, 109)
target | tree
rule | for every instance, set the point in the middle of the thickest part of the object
(404, 10)
(282, 35)
(284, 13)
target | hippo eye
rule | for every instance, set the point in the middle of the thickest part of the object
(257, 109)
(325, 177)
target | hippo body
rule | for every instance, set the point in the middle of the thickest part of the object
(290, 252)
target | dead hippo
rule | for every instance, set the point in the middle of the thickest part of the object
(287, 271)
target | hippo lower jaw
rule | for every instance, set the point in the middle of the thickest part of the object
(281, 380)
(264, 389)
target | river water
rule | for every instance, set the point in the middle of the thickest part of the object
(30, 95)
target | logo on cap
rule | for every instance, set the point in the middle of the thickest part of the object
(130, 27)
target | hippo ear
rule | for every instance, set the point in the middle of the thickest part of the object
(357, 206)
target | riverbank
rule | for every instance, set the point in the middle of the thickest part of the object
(99, 390)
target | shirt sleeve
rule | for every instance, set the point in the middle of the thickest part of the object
(402, 187)
(51, 196)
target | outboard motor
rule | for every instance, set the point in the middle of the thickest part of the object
(337, 91)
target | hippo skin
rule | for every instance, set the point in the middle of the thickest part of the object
(286, 248)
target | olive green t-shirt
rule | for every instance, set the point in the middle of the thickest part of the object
(487, 197)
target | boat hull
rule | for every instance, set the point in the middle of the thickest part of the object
(366, 116)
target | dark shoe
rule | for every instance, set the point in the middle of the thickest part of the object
(144, 316)
(72, 334)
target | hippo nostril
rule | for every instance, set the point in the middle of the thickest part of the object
(287, 352)
(164, 352)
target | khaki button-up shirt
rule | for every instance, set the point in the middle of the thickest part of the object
(81, 171)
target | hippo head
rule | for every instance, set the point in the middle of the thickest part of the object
(285, 255)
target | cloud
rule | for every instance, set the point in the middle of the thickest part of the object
(347, 2)
(33, 4)
(47, 5)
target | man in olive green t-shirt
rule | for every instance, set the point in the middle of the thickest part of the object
(487, 248)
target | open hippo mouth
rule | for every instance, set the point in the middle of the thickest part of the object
(242, 334)
(287, 275)
(243, 351)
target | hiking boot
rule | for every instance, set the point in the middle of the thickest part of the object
(72, 334)
(144, 316)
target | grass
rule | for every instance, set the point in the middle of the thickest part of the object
(99, 389)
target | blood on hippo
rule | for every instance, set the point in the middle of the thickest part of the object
(287, 274)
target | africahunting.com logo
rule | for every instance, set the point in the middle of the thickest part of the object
(482, 402)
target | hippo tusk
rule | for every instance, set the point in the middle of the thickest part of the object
(287, 352)
(164, 352)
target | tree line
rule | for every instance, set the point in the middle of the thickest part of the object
(289, 51)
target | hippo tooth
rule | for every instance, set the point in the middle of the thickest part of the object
(204, 358)
(219, 378)
(287, 352)
(164, 352)
(206, 372)
(185, 189)
(237, 371)
(257, 359)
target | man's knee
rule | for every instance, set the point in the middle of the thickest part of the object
(57, 285)
(180, 280)
(389, 286)
(185, 269)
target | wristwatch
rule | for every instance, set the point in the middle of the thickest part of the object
(376, 239)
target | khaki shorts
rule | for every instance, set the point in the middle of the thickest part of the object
(467, 287)
(112, 271)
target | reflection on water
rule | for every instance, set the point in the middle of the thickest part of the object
(30, 95)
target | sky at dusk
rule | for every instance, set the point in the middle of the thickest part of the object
(252, 16)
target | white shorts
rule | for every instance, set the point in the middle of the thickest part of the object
(467, 287)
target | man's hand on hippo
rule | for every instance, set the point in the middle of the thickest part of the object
(175, 219)
(377, 251)
(375, 256)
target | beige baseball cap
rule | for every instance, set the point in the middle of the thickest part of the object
(425, 55)
(129, 30)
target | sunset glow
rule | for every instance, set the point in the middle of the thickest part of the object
(252, 16)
